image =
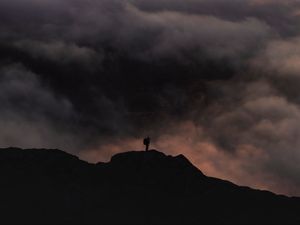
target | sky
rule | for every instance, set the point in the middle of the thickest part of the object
(215, 80)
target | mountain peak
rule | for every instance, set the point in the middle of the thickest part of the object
(151, 154)
(155, 170)
(152, 159)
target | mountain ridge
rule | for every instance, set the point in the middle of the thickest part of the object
(133, 187)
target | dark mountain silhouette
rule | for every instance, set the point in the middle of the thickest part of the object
(51, 186)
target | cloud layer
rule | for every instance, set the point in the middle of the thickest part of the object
(214, 79)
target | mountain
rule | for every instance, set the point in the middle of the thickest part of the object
(40, 186)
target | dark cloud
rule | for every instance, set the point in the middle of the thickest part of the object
(31, 115)
(217, 78)
(281, 15)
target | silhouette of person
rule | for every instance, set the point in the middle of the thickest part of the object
(147, 142)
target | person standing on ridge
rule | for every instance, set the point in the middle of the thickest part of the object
(147, 143)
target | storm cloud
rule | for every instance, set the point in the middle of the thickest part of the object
(217, 80)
